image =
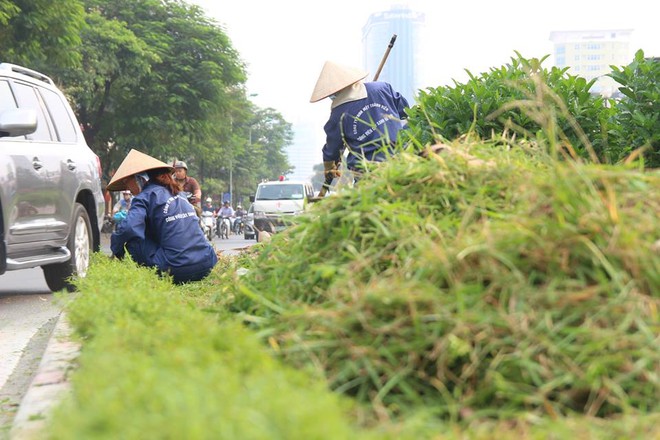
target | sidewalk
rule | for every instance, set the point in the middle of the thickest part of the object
(49, 385)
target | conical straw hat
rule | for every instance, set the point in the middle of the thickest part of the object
(134, 162)
(333, 78)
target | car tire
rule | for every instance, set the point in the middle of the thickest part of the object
(81, 247)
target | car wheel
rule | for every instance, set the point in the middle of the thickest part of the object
(80, 245)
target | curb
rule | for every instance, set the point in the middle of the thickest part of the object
(49, 386)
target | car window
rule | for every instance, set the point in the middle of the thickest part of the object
(7, 102)
(64, 127)
(292, 191)
(27, 98)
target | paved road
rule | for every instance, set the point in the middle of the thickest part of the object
(28, 314)
(232, 244)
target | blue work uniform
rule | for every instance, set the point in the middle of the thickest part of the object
(162, 230)
(368, 126)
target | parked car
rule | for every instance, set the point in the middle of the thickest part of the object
(51, 198)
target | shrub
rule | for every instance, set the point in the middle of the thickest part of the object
(636, 123)
(552, 107)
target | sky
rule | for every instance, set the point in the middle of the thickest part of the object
(285, 43)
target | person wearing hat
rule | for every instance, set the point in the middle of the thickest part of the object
(224, 212)
(239, 214)
(188, 184)
(208, 206)
(364, 116)
(124, 203)
(161, 229)
(120, 210)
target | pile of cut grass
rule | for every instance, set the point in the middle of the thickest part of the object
(516, 286)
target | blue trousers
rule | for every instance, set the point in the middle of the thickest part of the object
(143, 251)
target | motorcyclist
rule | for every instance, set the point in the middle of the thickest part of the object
(240, 212)
(207, 220)
(188, 185)
(120, 210)
(208, 206)
(225, 211)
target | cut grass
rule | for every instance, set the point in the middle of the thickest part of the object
(526, 285)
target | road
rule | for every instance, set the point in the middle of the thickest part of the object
(28, 313)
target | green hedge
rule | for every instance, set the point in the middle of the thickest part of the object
(550, 106)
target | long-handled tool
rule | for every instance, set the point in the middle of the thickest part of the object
(387, 54)
(329, 177)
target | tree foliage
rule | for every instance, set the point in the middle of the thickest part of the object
(155, 75)
(41, 33)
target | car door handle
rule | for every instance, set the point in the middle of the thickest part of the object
(71, 165)
(36, 163)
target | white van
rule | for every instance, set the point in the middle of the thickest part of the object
(276, 202)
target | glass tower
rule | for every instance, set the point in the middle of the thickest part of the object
(401, 67)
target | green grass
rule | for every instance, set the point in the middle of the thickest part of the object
(153, 362)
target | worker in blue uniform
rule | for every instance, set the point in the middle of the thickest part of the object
(162, 228)
(365, 117)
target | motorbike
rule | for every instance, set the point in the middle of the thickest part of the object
(207, 222)
(108, 224)
(189, 196)
(249, 231)
(224, 228)
(238, 225)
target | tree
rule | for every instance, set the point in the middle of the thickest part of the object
(155, 77)
(159, 76)
(254, 149)
(274, 134)
(41, 33)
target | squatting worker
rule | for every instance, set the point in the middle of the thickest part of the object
(161, 229)
(365, 117)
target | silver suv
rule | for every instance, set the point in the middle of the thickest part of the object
(51, 198)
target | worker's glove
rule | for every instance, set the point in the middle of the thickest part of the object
(331, 170)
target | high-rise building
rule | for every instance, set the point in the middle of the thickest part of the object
(590, 53)
(305, 151)
(401, 68)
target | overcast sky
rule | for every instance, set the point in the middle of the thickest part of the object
(285, 43)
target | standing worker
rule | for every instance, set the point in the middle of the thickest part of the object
(365, 117)
(161, 229)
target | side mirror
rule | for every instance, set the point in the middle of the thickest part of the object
(18, 122)
(251, 199)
